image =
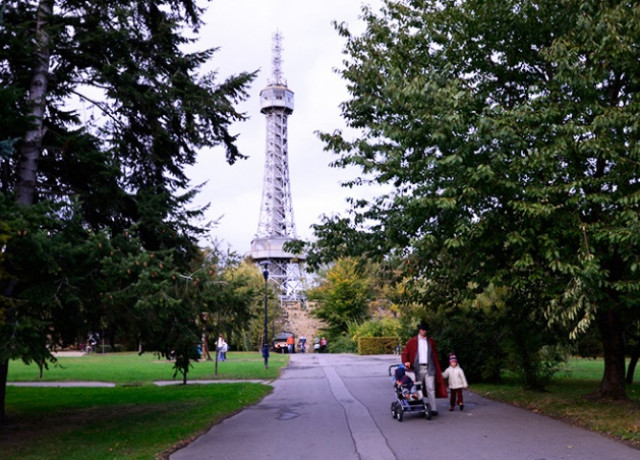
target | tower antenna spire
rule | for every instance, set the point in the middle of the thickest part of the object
(276, 60)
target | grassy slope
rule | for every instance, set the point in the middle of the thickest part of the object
(128, 422)
(134, 420)
(566, 399)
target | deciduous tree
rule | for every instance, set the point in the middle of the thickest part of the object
(508, 131)
(343, 296)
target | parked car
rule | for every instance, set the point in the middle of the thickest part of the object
(279, 344)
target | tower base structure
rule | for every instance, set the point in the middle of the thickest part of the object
(285, 269)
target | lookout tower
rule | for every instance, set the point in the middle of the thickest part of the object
(276, 225)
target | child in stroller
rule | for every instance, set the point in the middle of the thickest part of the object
(404, 384)
(409, 396)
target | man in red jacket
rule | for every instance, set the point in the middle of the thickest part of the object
(420, 355)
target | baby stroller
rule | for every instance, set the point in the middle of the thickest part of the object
(409, 397)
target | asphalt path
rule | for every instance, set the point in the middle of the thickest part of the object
(337, 406)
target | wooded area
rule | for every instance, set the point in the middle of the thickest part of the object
(507, 133)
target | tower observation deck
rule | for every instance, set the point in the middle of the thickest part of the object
(276, 224)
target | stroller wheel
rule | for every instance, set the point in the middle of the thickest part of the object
(393, 409)
(400, 414)
(427, 411)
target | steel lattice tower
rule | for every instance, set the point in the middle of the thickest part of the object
(276, 225)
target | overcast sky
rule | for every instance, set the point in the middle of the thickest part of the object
(243, 30)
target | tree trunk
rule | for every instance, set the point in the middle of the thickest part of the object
(32, 142)
(4, 372)
(632, 364)
(611, 328)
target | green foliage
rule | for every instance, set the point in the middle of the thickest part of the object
(51, 268)
(477, 338)
(245, 311)
(341, 343)
(507, 134)
(377, 345)
(343, 296)
(111, 241)
(385, 327)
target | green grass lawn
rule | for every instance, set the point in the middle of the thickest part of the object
(131, 368)
(566, 399)
(134, 420)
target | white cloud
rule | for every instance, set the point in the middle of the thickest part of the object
(242, 29)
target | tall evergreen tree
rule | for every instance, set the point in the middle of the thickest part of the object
(119, 171)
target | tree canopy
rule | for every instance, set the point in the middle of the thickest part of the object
(344, 296)
(509, 133)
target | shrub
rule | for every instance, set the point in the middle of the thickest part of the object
(341, 344)
(377, 345)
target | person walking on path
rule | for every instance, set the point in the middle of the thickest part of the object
(291, 343)
(457, 381)
(420, 355)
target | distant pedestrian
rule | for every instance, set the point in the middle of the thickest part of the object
(225, 349)
(291, 342)
(219, 347)
(457, 382)
(323, 345)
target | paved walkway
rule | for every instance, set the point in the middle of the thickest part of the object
(338, 406)
(62, 384)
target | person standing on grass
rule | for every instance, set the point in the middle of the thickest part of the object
(225, 349)
(420, 356)
(221, 343)
(457, 381)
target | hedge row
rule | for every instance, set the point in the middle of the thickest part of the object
(377, 345)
